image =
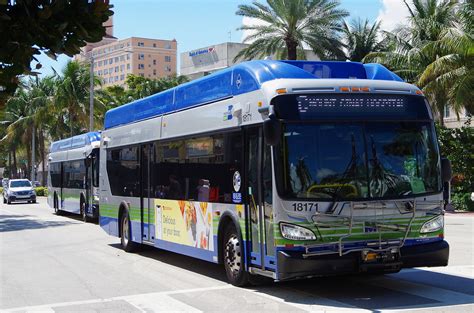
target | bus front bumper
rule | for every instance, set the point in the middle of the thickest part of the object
(292, 265)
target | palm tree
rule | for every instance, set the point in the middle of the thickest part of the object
(72, 98)
(287, 26)
(360, 38)
(18, 122)
(42, 94)
(407, 53)
(453, 71)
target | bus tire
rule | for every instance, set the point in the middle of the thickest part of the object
(57, 211)
(125, 236)
(82, 204)
(233, 257)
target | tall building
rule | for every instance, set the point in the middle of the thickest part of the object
(203, 61)
(114, 58)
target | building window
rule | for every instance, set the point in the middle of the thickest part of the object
(106, 71)
(116, 69)
(447, 112)
(128, 56)
(111, 60)
(122, 58)
(116, 59)
(116, 78)
(154, 45)
(168, 46)
(154, 62)
(128, 66)
(122, 77)
(141, 56)
(141, 74)
(100, 63)
(111, 80)
(141, 44)
(141, 66)
(122, 68)
(100, 72)
(167, 68)
(154, 72)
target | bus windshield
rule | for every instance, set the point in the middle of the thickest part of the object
(358, 160)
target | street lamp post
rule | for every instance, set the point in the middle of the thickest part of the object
(91, 94)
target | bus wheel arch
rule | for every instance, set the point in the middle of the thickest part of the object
(229, 231)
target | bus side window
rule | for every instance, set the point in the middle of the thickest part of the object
(198, 169)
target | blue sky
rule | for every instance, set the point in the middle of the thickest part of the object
(197, 23)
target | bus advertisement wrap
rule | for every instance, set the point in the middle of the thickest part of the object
(185, 222)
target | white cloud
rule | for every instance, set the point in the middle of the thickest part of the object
(249, 21)
(393, 12)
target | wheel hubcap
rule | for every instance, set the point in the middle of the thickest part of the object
(125, 231)
(233, 255)
(83, 210)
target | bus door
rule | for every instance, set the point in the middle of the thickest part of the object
(259, 202)
(146, 196)
(88, 183)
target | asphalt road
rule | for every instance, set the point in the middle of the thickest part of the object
(52, 263)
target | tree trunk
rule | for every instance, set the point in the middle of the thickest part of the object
(9, 163)
(291, 45)
(43, 156)
(14, 170)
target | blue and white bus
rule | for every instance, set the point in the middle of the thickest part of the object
(73, 175)
(285, 169)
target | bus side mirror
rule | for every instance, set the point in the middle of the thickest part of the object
(446, 170)
(272, 130)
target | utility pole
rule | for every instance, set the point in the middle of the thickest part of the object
(33, 148)
(91, 94)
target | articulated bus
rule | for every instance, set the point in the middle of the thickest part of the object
(283, 169)
(73, 175)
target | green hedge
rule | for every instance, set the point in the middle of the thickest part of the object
(1, 189)
(41, 191)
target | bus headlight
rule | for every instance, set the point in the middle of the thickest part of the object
(295, 232)
(433, 225)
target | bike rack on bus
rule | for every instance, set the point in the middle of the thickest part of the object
(379, 222)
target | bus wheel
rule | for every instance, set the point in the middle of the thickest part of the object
(234, 258)
(85, 218)
(57, 211)
(125, 239)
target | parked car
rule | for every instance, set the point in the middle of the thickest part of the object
(19, 190)
(36, 183)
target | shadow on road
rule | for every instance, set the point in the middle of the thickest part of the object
(188, 263)
(9, 223)
(404, 290)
